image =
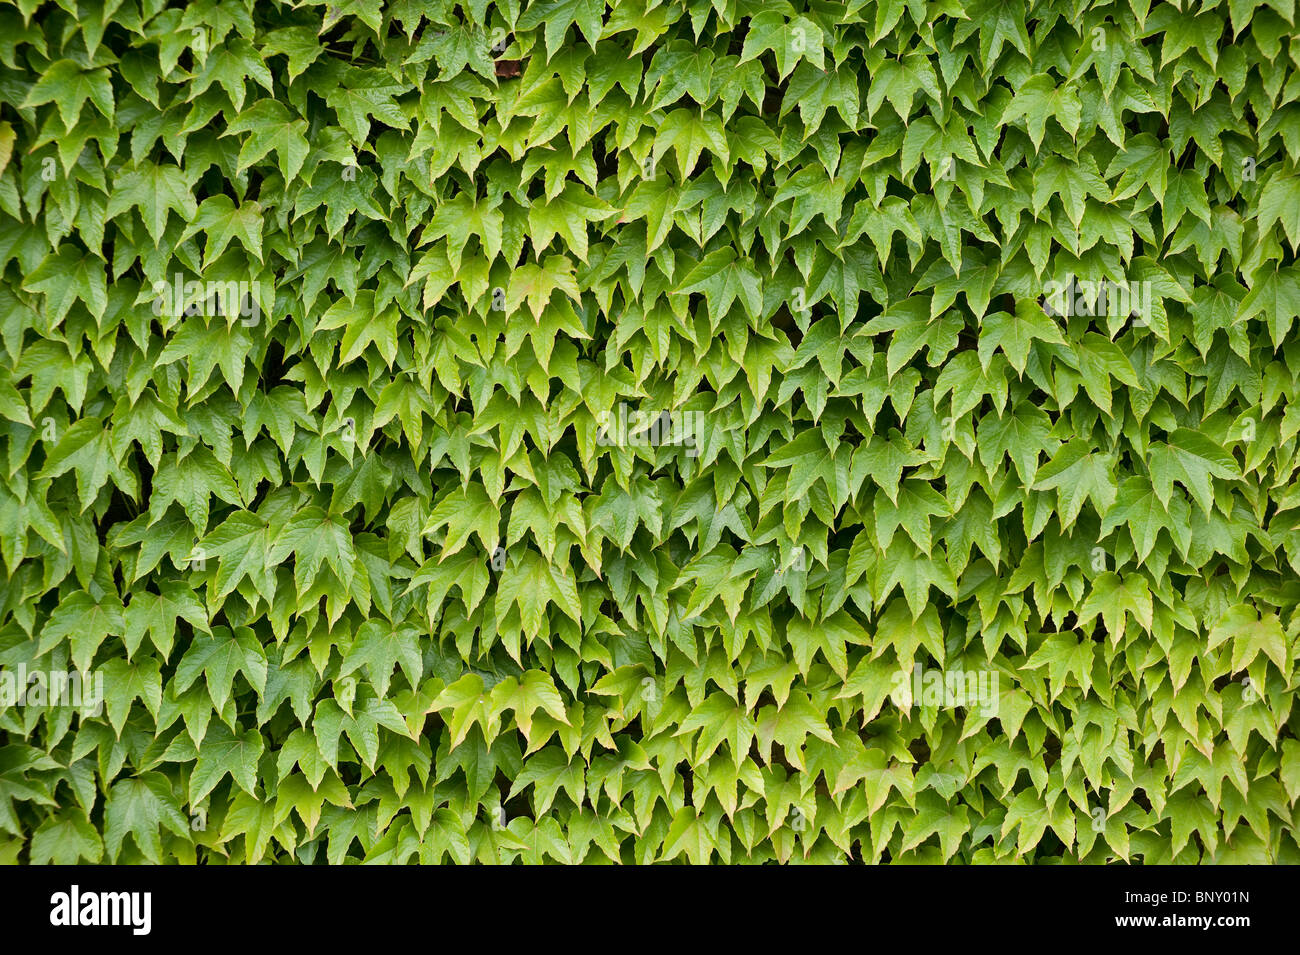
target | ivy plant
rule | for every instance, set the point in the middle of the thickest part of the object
(696, 431)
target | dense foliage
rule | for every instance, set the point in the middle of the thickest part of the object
(670, 431)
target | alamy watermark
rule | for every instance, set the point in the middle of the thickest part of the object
(50, 688)
(972, 689)
(1098, 299)
(640, 429)
(178, 297)
(131, 909)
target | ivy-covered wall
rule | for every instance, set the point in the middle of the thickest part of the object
(667, 430)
